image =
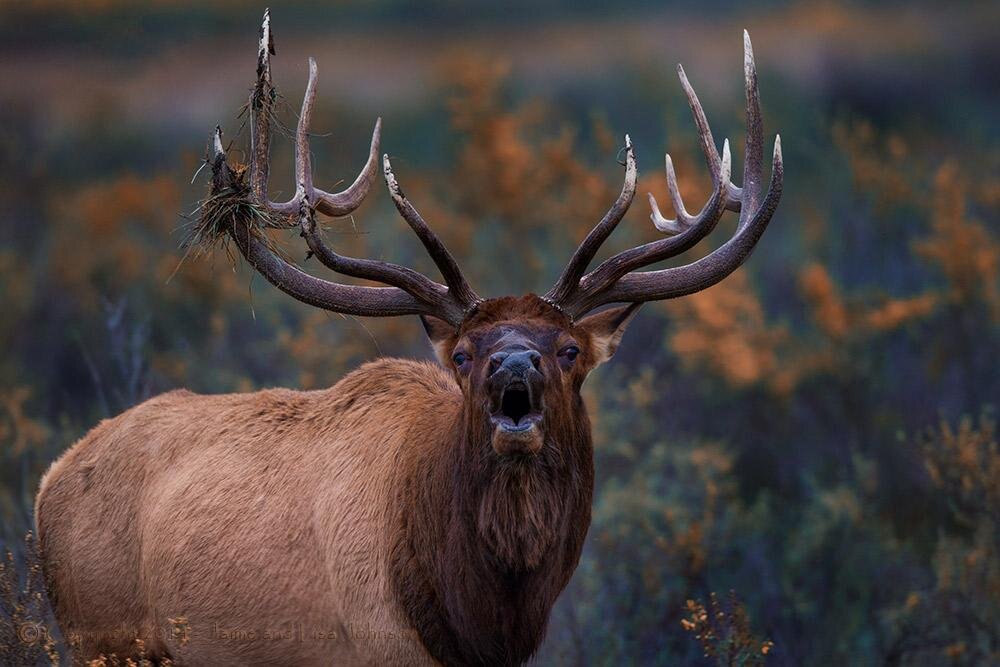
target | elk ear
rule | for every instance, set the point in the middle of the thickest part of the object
(606, 329)
(440, 334)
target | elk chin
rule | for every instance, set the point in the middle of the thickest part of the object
(525, 437)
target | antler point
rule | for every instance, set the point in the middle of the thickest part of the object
(266, 46)
(217, 140)
(748, 63)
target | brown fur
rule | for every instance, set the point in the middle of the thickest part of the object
(376, 511)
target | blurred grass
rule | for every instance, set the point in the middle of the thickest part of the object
(801, 434)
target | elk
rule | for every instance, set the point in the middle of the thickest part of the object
(413, 513)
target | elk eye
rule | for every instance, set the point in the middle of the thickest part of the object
(570, 352)
(460, 358)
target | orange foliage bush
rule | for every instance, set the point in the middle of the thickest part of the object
(19, 432)
(111, 220)
(723, 630)
(125, 225)
(965, 252)
(512, 175)
(723, 329)
(879, 166)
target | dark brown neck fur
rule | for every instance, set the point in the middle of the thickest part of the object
(488, 543)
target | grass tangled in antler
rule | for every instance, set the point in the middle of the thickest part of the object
(226, 206)
(229, 201)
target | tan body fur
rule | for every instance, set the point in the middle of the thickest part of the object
(290, 496)
(386, 520)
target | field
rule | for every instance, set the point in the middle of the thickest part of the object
(798, 466)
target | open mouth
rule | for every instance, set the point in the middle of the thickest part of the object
(518, 410)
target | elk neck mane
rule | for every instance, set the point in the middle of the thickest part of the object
(484, 544)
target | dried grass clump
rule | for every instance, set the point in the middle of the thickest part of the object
(227, 206)
(142, 659)
(27, 631)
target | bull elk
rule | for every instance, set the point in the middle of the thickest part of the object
(413, 513)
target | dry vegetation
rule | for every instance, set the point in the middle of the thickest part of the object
(816, 433)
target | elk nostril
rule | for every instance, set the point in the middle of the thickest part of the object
(536, 359)
(496, 359)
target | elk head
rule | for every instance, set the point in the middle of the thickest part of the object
(520, 361)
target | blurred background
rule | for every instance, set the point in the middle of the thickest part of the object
(813, 440)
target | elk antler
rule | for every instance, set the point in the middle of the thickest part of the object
(409, 292)
(617, 279)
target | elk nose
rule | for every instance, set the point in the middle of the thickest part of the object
(515, 363)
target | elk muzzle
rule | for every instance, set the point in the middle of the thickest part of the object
(515, 386)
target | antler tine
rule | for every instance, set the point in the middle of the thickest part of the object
(705, 138)
(684, 219)
(753, 160)
(303, 158)
(666, 225)
(614, 279)
(335, 204)
(707, 142)
(578, 263)
(261, 107)
(403, 277)
(262, 99)
(457, 285)
(342, 203)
